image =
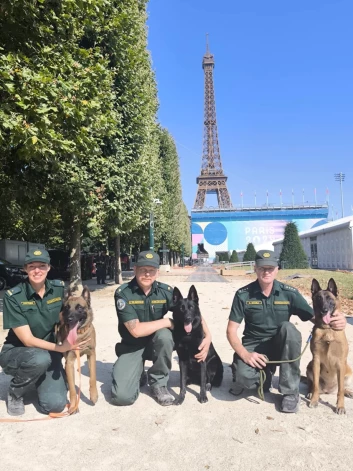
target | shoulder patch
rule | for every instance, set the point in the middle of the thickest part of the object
(57, 283)
(15, 290)
(120, 304)
(164, 286)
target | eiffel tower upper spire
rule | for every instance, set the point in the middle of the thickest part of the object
(212, 178)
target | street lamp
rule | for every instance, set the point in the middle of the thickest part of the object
(154, 201)
(339, 177)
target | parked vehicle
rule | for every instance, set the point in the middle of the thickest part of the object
(10, 275)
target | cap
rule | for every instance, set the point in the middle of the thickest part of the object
(37, 255)
(148, 258)
(266, 258)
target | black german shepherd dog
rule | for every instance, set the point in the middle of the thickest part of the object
(188, 335)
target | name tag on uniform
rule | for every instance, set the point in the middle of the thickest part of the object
(282, 302)
(136, 302)
(254, 302)
(159, 301)
(54, 300)
(28, 303)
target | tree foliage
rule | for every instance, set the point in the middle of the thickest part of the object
(234, 257)
(250, 252)
(80, 149)
(292, 254)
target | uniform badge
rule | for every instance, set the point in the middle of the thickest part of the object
(149, 255)
(37, 252)
(266, 255)
(120, 304)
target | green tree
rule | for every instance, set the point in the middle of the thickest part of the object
(250, 252)
(234, 257)
(57, 112)
(174, 225)
(292, 254)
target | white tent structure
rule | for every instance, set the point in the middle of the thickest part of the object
(328, 246)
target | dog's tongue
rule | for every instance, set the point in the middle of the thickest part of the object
(188, 328)
(327, 318)
(72, 337)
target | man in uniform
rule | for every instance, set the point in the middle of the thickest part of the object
(266, 306)
(29, 354)
(145, 334)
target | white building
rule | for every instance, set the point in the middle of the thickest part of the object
(329, 246)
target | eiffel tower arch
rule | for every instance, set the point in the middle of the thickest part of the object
(211, 179)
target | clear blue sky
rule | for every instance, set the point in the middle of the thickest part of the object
(283, 87)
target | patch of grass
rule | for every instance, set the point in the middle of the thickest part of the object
(343, 280)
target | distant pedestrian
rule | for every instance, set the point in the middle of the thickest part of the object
(101, 267)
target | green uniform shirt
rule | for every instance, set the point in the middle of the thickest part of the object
(23, 306)
(132, 303)
(264, 315)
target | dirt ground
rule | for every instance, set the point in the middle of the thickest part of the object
(227, 433)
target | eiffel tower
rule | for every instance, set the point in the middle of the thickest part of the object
(212, 179)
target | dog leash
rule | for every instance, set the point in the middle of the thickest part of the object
(260, 389)
(56, 415)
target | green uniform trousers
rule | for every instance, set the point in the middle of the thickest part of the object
(128, 368)
(33, 366)
(285, 345)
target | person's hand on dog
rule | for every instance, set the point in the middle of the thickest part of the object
(171, 327)
(338, 321)
(204, 348)
(254, 359)
(66, 346)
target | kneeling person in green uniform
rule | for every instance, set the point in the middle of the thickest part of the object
(266, 306)
(145, 334)
(29, 354)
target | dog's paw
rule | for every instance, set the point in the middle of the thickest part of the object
(208, 386)
(179, 401)
(340, 410)
(348, 393)
(73, 409)
(313, 404)
(309, 396)
(93, 395)
(203, 398)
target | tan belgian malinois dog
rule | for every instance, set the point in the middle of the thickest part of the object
(328, 372)
(76, 325)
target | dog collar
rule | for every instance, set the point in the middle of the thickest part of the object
(83, 330)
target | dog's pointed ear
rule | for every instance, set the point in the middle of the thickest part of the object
(67, 294)
(332, 287)
(177, 296)
(86, 295)
(192, 296)
(315, 287)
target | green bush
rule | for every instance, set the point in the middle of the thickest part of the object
(292, 254)
(234, 257)
(250, 253)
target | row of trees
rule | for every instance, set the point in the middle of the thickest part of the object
(82, 156)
